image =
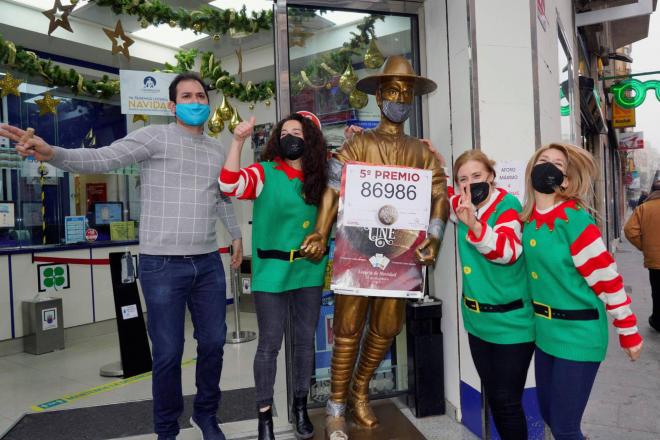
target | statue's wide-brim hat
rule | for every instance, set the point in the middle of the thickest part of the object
(396, 67)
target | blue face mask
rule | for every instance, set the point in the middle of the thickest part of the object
(193, 113)
(396, 112)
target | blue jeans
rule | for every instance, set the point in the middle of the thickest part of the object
(563, 388)
(169, 283)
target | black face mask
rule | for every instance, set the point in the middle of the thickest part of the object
(479, 192)
(292, 147)
(546, 177)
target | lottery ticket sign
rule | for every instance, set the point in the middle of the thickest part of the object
(383, 217)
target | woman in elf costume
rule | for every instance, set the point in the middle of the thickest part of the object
(286, 188)
(497, 310)
(573, 281)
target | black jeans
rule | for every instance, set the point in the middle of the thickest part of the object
(654, 277)
(503, 370)
(272, 313)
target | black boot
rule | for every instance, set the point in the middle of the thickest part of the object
(266, 425)
(302, 425)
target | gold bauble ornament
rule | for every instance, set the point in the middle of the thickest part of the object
(235, 120)
(143, 118)
(73, 2)
(328, 85)
(267, 102)
(172, 23)
(216, 37)
(226, 110)
(144, 23)
(347, 80)
(373, 58)
(197, 27)
(358, 99)
(251, 106)
(216, 124)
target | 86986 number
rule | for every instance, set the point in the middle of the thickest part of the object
(389, 190)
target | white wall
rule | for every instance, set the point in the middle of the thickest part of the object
(449, 129)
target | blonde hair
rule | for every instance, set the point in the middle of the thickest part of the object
(478, 156)
(581, 170)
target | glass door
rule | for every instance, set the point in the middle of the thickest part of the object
(321, 52)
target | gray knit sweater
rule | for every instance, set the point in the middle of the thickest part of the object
(181, 199)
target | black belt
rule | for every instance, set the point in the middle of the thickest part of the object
(293, 254)
(479, 307)
(548, 312)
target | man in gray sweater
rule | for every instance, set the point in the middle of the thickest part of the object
(179, 260)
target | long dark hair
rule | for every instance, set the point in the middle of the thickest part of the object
(314, 158)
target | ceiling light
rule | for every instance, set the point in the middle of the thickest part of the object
(340, 18)
(174, 37)
(250, 5)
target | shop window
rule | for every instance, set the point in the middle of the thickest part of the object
(566, 87)
(47, 199)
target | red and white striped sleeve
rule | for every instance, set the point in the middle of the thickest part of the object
(502, 243)
(245, 184)
(453, 203)
(599, 270)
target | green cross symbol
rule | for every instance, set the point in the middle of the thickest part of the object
(54, 277)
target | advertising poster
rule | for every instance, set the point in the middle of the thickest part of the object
(74, 228)
(145, 93)
(383, 216)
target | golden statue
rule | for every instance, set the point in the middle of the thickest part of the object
(395, 88)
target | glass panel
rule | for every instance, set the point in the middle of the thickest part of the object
(329, 50)
(43, 202)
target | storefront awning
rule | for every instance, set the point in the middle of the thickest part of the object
(628, 22)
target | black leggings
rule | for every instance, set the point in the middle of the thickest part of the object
(503, 370)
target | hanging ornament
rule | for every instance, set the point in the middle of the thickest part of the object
(197, 27)
(118, 34)
(267, 102)
(73, 2)
(251, 106)
(373, 58)
(216, 37)
(172, 23)
(47, 104)
(9, 85)
(235, 120)
(143, 118)
(348, 79)
(358, 99)
(216, 124)
(144, 23)
(226, 110)
(59, 16)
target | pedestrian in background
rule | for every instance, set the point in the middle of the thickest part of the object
(643, 232)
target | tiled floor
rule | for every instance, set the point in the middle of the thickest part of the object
(625, 403)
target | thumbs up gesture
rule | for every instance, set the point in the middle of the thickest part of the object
(244, 130)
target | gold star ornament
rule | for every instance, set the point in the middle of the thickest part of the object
(47, 104)
(59, 16)
(118, 34)
(9, 85)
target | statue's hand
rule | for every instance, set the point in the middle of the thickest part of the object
(313, 246)
(427, 252)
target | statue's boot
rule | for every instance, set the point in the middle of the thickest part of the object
(373, 351)
(344, 354)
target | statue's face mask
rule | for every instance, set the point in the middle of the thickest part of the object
(395, 100)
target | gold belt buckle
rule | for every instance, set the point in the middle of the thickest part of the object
(547, 307)
(291, 257)
(476, 304)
